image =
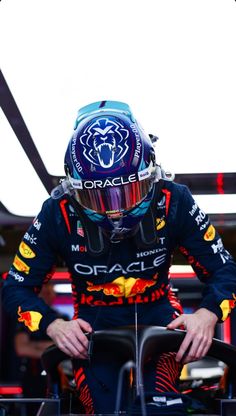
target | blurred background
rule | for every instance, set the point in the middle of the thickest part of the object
(173, 62)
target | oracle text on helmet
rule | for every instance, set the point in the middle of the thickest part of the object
(110, 182)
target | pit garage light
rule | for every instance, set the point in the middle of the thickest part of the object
(181, 271)
(63, 288)
(217, 203)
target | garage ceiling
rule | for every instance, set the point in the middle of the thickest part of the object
(173, 62)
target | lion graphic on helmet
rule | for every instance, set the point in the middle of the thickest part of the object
(105, 142)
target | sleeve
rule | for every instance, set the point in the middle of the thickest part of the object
(203, 248)
(32, 266)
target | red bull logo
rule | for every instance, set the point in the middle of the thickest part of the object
(122, 287)
(227, 305)
(31, 319)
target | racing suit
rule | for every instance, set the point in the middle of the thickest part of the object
(106, 288)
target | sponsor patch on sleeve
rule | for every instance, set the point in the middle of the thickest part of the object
(26, 251)
(210, 233)
(31, 319)
(226, 306)
(20, 265)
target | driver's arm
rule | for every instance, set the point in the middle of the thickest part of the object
(202, 246)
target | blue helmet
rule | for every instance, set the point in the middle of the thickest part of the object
(110, 164)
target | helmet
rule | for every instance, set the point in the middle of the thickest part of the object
(110, 164)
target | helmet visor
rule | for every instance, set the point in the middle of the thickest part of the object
(116, 198)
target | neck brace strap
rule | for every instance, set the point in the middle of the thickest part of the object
(146, 234)
(96, 243)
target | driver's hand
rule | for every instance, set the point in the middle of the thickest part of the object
(69, 336)
(200, 328)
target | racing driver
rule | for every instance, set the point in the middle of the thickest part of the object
(115, 220)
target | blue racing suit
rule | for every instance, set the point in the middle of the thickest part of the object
(126, 275)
